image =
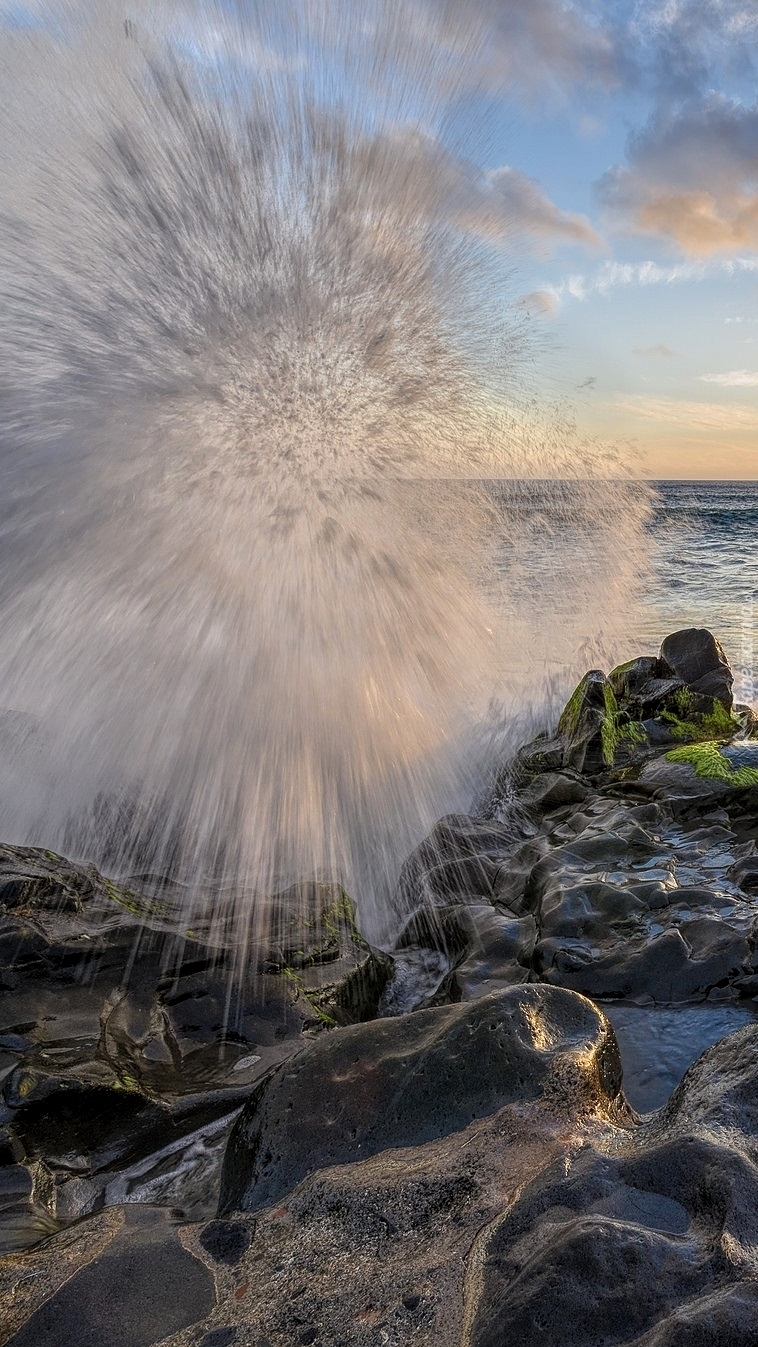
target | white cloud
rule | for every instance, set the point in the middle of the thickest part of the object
(692, 415)
(615, 275)
(685, 47)
(521, 204)
(500, 206)
(736, 378)
(543, 302)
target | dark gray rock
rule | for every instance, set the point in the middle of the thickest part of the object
(127, 1059)
(543, 754)
(407, 1081)
(650, 1243)
(688, 785)
(141, 1288)
(696, 657)
(498, 951)
(331, 971)
(219, 1337)
(587, 724)
(720, 1091)
(621, 1248)
(226, 1241)
(552, 790)
(458, 861)
(744, 872)
(628, 679)
(86, 1148)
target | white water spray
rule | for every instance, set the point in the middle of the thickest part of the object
(251, 329)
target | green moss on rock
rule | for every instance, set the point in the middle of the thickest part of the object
(572, 711)
(134, 903)
(633, 732)
(609, 734)
(694, 726)
(708, 761)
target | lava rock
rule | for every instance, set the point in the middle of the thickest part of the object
(553, 790)
(334, 975)
(406, 1081)
(141, 1288)
(458, 862)
(226, 1241)
(622, 1247)
(628, 679)
(696, 657)
(587, 724)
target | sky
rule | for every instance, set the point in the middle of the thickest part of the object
(611, 156)
(624, 143)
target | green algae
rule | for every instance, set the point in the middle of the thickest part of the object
(633, 732)
(708, 761)
(310, 997)
(571, 713)
(683, 719)
(609, 735)
(571, 716)
(130, 901)
(718, 723)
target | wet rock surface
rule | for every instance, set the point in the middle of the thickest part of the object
(665, 1224)
(122, 1061)
(627, 867)
(320, 1166)
(553, 1217)
(410, 1080)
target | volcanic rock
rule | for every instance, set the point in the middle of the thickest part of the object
(406, 1081)
(122, 1063)
(695, 656)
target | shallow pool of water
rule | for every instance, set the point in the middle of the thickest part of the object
(658, 1044)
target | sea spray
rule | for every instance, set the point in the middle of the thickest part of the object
(255, 325)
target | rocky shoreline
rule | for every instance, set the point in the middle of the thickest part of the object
(434, 1144)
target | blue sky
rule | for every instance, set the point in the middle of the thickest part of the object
(612, 167)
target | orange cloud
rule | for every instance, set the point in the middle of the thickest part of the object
(692, 177)
(700, 223)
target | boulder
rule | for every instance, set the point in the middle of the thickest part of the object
(124, 1057)
(587, 724)
(628, 680)
(458, 862)
(407, 1081)
(694, 777)
(681, 697)
(332, 972)
(696, 657)
(626, 1250)
(555, 1216)
(648, 1244)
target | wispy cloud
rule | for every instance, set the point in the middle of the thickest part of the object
(736, 378)
(520, 205)
(538, 43)
(682, 46)
(659, 350)
(688, 414)
(543, 302)
(615, 275)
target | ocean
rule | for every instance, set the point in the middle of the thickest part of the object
(598, 573)
(705, 571)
